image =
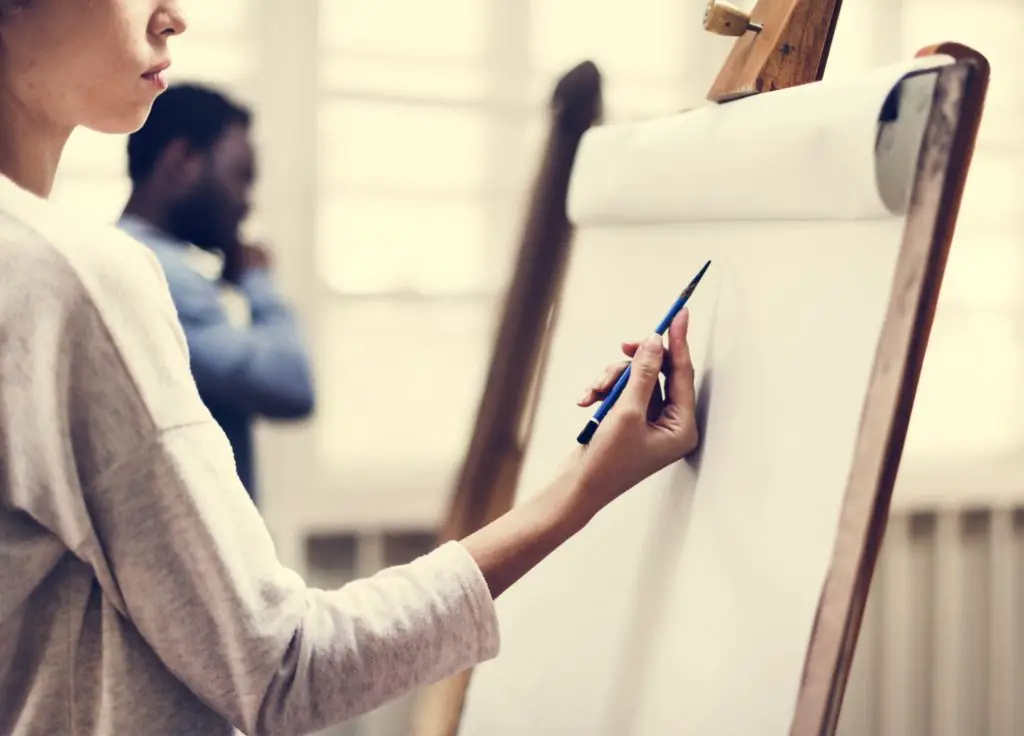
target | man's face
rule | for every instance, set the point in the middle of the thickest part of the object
(212, 208)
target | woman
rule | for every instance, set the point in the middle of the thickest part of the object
(140, 590)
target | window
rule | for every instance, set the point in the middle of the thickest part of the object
(637, 42)
(395, 29)
(403, 149)
(405, 131)
(427, 144)
(401, 245)
(426, 129)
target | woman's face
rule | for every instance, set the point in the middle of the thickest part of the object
(86, 62)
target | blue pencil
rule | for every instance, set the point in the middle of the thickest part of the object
(606, 405)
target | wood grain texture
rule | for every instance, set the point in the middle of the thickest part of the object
(941, 171)
(575, 106)
(486, 485)
(791, 49)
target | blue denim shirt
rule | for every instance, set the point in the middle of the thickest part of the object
(242, 373)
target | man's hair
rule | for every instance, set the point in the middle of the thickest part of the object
(197, 114)
(10, 7)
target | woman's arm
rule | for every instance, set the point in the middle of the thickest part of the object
(182, 552)
(642, 434)
(507, 548)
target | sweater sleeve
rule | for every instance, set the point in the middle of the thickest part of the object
(187, 558)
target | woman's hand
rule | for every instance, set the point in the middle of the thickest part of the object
(645, 431)
(642, 434)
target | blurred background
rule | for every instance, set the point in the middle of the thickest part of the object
(396, 142)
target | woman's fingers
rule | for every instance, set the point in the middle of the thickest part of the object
(679, 387)
(603, 384)
(643, 376)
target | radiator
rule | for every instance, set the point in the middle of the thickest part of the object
(940, 649)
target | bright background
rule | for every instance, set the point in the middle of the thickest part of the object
(397, 139)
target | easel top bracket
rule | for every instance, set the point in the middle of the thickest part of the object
(781, 44)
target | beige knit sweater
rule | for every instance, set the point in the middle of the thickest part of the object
(139, 589)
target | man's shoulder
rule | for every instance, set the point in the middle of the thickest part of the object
(190, 288)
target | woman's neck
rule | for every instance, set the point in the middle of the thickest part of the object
(30, 149)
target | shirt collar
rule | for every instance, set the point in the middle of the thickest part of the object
(208, 264)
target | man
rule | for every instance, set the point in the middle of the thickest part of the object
(192, 168)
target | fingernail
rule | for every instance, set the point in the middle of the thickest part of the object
(584, 397)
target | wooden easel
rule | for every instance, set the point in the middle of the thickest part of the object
(487, 481)
(940, 175)
(790, 49)
(782, 43)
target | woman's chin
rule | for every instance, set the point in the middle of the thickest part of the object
(127, 120)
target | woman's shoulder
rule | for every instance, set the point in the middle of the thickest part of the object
(43, 248)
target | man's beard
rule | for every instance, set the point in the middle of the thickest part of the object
(200, 219)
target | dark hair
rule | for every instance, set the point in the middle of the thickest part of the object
(197, 114)
(7, 7)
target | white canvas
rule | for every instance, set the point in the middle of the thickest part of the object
(686, 607)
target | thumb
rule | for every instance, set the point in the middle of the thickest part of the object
(643, 374)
